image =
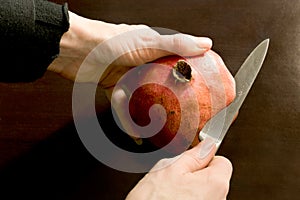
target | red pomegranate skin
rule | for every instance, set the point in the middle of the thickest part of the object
(210, 89)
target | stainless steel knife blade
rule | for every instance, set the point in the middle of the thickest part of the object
(217, 127)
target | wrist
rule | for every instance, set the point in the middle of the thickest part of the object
(85, 34)
(77, 42)
(78, 39)
(81, 38)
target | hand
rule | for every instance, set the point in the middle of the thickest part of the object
(196, 174)
(84, 35)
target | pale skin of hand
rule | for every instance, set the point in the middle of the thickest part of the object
(85, 34)
(189, 177)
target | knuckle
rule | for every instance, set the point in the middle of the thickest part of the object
(221, 185)
(141, 26)
(226, 162)
(124, 27)
(177, 40)
(182, 44)
(161, 164)
(162, 161)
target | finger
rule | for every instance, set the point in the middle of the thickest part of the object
(219, 168)
(218, 174)
(235, 116)
(153, 46)
(119, 102)
(145, 45)
(196, 158)
(184, 44)
(163, 163)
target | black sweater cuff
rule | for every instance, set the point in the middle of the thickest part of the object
(30, 33)
(51, 21)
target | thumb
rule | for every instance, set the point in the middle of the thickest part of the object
(196, 158)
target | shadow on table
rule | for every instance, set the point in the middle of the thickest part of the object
(61, 168)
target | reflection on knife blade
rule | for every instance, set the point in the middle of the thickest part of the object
(217, 126)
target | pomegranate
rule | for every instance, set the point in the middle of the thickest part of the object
(191, 90)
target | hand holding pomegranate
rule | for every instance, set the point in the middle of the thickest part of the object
(106, 41)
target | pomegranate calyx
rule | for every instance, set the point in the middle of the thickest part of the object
(182, 71)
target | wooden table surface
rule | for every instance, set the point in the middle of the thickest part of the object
(42, 157)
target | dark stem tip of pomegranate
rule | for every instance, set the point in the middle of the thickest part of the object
(182, 71)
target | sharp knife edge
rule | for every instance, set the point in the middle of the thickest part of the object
(217, 126)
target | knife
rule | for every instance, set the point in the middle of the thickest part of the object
(217, 127)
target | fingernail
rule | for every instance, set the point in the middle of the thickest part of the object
(206, 147)
(204, 43)
(138, 141)
(126, 90)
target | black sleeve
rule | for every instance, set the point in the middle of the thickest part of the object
(30, 32)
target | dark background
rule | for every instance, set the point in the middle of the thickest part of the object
(42, 157)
